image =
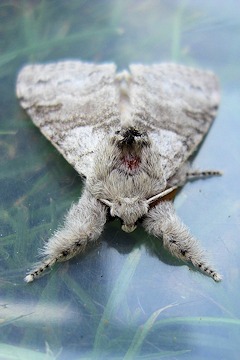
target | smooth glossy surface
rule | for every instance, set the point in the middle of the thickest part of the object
(126, 298)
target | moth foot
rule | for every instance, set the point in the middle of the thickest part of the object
(40, 268)
(217, 277)
(29, 278)
(210, 272)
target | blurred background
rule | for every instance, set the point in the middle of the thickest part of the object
(126, 298)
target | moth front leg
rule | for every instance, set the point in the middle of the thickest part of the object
(83, 224)
(163, 222)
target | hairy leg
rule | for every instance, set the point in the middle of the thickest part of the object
(163, 222)
(83, 223)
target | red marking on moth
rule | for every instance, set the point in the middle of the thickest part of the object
(131, 162)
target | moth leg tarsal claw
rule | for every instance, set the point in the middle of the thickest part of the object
(130, 134)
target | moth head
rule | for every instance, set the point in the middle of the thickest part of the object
(129, 210)
(131, 137)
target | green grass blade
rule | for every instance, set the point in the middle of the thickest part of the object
(207, 320)
(11, 352)
(142, 332)
(116, 296)
(82, 295)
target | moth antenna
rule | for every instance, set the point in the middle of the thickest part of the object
(161, 194)
(106, 202)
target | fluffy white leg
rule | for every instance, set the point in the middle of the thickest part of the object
(83, 223)
(163, 222)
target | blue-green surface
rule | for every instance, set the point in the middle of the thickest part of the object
(120, 300)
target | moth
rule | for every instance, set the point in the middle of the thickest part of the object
(130, 135)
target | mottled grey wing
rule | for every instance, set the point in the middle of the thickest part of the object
(176, 105)
(73, 103)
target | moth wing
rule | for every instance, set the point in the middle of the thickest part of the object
(176, 105)
(73, 103)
